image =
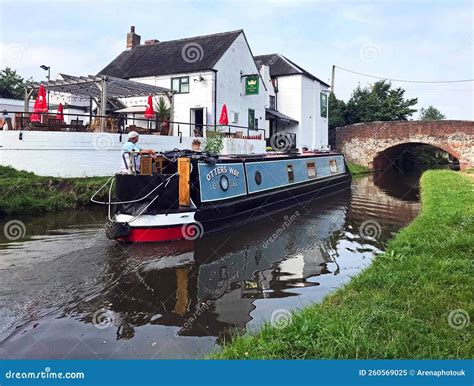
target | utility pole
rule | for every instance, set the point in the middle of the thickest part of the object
(332, 78)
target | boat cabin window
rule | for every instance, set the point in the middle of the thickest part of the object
(291, 174)
(258, 177)
(311, 169)
(333, 166)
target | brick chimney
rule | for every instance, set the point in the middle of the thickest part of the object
(133, 39)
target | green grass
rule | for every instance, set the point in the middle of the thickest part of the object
(24, 192)
(399, 306)
(357, 169)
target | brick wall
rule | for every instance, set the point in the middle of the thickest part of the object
(363, 142)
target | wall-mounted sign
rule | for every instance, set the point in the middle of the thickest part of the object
(251, 85)
(324, 105)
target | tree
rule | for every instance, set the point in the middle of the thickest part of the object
(431, 113)
(337, 109)
(12, 85)
(380, 102)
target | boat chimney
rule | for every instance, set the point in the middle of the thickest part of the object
(133, 40)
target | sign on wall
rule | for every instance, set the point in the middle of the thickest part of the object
(251, 85)
(324, 105)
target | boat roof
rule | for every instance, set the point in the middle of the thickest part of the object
(277, 155)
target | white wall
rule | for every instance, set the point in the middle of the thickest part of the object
(64, 154)
(289, 100)
(200, 96)
(299, 98)
(238, 60)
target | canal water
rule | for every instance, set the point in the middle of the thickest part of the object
(68, 292)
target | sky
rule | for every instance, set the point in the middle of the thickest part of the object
(408, 40)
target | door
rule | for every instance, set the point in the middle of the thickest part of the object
(197, 122)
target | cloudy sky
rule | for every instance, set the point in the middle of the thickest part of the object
(412, 40)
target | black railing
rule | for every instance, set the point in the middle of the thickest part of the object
(120, 123)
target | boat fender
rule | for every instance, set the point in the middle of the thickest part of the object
(115, 230)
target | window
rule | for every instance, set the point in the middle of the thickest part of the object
(272, 102)
(251, 119)
(333, 166)
(258, 177)
(311, 169)
(324, 105)
(291, 174)
(180, 85)
(235, 117)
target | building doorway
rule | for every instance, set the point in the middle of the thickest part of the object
(197, 122)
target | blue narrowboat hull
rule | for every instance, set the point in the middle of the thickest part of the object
(226, 193)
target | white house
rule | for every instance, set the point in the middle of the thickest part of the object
(299, 103)
(267, 92)
(205, 72)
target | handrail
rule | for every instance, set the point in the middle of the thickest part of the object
(120, 116)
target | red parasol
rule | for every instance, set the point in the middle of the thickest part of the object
(224, 119)
(149, 112)
(60, 114)
(41, 106)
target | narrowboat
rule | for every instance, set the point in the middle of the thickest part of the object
(186, 194)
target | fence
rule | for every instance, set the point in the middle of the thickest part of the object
(119, 123)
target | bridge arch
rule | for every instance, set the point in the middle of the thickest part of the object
(389, 156)
(367, 143)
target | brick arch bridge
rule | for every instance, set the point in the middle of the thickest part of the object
(376, 144)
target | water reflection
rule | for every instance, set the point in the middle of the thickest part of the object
(67, 292)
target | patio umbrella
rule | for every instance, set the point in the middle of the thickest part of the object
(60, 114)
(149, 112)
(224, 119)
(41, 106)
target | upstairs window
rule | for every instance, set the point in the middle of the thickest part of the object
(272, 102)
(180, 85)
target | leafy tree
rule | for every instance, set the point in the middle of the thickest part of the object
(12, 85)
(380, 102)
(337, 109)
(431, 113)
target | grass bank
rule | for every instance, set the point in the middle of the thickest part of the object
(404, 305)
(24, 192)
(358, 169)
